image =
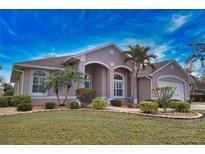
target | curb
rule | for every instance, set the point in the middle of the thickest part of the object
(198, 116)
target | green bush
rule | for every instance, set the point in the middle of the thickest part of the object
(116, 102)
(149, 107)
(3, 101)
(99, 104)
(9, 98)
(85, 95)
(129, 105)
(198, 98)
(24, 106)
(150, 100)
(74, 105)
(50, 105)
(180, 106)
(18, 99)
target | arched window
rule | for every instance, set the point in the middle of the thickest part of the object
(38, 77)
(118, 85)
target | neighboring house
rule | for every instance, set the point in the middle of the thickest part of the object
(198, 87)
(105, 71)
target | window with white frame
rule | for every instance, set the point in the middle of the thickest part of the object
(87, 84)
(118, 85)
(38, 77)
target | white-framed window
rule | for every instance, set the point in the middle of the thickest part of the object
(118, 85)
(37, 85)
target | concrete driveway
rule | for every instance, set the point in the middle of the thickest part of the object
(197, 107)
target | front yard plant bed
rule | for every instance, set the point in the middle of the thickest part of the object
(83, 127)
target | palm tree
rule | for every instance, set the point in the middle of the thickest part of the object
(62, 79)
(139, 58)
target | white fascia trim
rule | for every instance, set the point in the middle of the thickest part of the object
(39, 67)
(123, 66)
(22, 83)
(161, 68)
(97, 62)
(52, 97)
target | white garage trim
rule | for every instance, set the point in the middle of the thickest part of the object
(176, 77)
(97, 62)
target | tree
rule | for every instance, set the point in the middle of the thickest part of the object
(8, 89)
(139, 57)
(62, 79)
(198, 53)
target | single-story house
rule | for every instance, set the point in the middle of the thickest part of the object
(105, 71)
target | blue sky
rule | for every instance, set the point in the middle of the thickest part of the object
(33, 34)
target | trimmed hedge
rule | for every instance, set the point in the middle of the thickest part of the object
(85, 95)
(129, 105)
(18, 99)
(3, 101)
(180, 106)
(74, 105)
(150, 100)
(116, 102)
(198, 98)
(50, 105)
(99, 104)
(149, 107)
(24, 107)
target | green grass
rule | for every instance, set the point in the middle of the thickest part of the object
(203, 103)
(89, 127)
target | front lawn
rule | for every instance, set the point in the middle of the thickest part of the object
(90, 127)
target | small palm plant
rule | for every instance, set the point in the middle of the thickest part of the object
(164, 95)
(63, 79)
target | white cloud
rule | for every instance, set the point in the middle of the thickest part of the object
(160, 50)
(177, 21)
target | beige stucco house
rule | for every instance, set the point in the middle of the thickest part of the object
(106, 72)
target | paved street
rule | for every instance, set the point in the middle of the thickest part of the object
(197, 107)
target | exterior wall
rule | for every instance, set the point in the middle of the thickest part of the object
(107, 56)
(144, 89)
(172, 70)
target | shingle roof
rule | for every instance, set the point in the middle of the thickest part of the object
(50, 62)
(157, 66)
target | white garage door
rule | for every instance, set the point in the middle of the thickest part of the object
(179, 92)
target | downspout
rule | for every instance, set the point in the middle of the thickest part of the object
(22, 78)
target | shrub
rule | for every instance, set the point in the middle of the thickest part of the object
(50, 105)
(149, 107)
(85, 95)
(74, 105)
(18, 99)
(99, 104)
(164, 95)
(198, 98)
(180, 106)
(129, 105)
(150, 100)
(116, 102)
(24, 106)
(3, 101)
(9, 98)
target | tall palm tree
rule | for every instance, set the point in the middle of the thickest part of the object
(62, 79)
(139, 58)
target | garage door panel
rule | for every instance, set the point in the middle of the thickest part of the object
(179, 92)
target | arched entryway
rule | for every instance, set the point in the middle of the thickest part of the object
(97, 78)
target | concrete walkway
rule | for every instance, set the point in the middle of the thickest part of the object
(197, 107)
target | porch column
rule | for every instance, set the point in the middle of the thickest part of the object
(81, 68)
(111, 73)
